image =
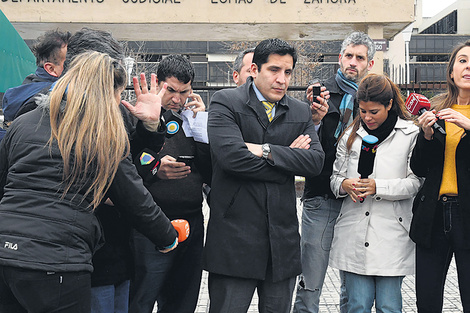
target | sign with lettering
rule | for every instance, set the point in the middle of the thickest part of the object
(208, 11)
(216, 20)
(381, 44)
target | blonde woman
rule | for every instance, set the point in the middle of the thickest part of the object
(57, 164)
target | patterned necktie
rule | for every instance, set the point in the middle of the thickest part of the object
(269, 109)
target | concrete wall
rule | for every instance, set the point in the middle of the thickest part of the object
(213, 19)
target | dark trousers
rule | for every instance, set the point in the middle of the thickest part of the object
(32, 291)
(432, 263)
(233, 295)
(171, 279)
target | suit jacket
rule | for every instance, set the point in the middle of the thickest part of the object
(253, 219)
(428, 161)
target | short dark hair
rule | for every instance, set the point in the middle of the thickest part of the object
(176, 65)
(48, 46)
(272, 46)
(238, 63)
(88, 39)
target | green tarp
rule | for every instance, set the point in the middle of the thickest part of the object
(16, 59)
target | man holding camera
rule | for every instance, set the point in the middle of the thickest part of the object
(174, 176)
(320, 207)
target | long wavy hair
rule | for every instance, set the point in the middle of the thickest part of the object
(447, 99)
(377, 88)
(89, 129)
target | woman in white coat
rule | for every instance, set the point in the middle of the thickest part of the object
(371, 243)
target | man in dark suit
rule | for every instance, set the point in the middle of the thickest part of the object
(260, 139)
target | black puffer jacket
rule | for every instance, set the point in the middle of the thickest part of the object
(38, 229)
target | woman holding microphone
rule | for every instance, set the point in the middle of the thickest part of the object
(57, 164)
(371, 243)
(441, 211)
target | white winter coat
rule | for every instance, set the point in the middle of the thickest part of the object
(371, 238)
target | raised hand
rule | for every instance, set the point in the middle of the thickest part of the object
(148, 104)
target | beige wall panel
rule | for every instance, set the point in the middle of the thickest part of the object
(211, 19)
(209, 11)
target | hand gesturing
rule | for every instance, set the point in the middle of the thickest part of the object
(148, 104)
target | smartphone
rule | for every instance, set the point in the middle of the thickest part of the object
(316, 92)
(187, 159)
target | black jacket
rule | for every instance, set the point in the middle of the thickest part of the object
(253, 218)
(180, 198)
(427, 161)
(44, 232)
(320, 185)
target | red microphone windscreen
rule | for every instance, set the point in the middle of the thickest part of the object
(182, 227)
(415, 102)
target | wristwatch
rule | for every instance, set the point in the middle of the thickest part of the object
(266, 150)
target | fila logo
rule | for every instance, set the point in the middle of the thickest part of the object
(10, 245)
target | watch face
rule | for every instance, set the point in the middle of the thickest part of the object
(266, 150)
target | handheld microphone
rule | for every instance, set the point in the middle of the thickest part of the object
(417, 104)
(182, 227)
(367, 157)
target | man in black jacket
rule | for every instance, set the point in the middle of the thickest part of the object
(320, 207)
(257, 148)
(173, 279)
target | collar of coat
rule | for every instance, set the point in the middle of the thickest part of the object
(248, 87)
(44, 102)
(255, 104)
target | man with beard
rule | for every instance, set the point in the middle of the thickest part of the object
(320, 207)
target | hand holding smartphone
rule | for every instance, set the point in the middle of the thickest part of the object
(316, 92)
(187, 159)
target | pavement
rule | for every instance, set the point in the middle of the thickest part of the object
(329, 301)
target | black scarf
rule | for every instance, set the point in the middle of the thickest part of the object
(385, 129)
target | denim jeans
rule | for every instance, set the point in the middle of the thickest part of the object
(110, 298)
(363, 290)
(171, 279)
(318, 220)
(432, 263)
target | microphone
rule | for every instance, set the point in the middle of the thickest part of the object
(367, 157)
(417, 104)
(182, 227)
